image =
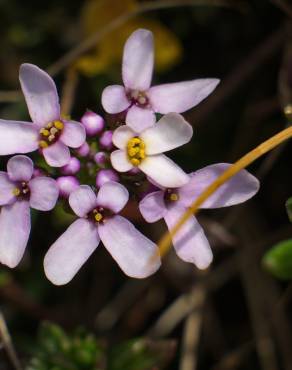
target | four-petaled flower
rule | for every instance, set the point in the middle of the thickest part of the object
(143, 101)
(48, 132)
(190, 242)
(98, 220)
(144, 150)
(18, 192)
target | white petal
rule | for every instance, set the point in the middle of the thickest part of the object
(17, 137)
(82, 200)
(44, 193)
(6, 189)
(120, 161)
(40, 94)
(14, 232)
(170, 132)
(113, 195)
(164, 171)
(152, 206)
(122, 135)
(20, 168)
(73, 134)
(238, 189)
(66, 256)
(57, 154)
(138, 60)
(114, 99)
(181, 96)
(136, 255)
(139, 119)
(190, 242)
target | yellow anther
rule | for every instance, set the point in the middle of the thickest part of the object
(53, 130)
(133, 151)
(59, 125)
(98, 216)
(51, 138)
(43, 144)
(49, 125)
(142, 153)
(45, 132)
(135, 161)
(16, 192)
(174, 197)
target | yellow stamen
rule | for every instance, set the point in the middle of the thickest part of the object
(98, 217)
(49, 125)
(51, 137)
(16, 192)
(45, 132)
(53, 130)
(173, 197)
(43, 144)
(136, 151)
(59, 125)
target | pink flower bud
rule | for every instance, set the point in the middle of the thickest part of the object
(72, 167)
(100, 158)
(106, 140)
(93, 123)
(66, 185)
(83, 150)
(106, 175)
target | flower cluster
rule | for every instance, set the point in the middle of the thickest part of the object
(98, 165)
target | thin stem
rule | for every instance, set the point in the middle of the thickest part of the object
(148, 6)
(7, 343)
(243, 162)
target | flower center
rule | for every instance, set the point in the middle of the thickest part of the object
(138, 98)
(99, 215)
(50, 133)
(136, 151)
(171, 195)
(21, 190)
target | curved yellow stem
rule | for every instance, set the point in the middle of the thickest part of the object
(165, 242)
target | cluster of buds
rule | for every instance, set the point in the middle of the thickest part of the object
(97, 165)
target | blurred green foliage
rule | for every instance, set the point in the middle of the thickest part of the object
(278, 260)
(56, 350)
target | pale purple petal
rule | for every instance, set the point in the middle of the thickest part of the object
(238, 189)
(20, 168)
(190, 242)
(66, 256)
(138, 60)
(136, 255)
(6, 189)
(120, 161)
(15, 229)
(82, 200)
(170, 132)
(114, 99)
(44, 193)
(113, 195)
(40, 94)
(17, 137)
(122, 135)
(152, 206)
(139, 119)
(73, 134)
(57, 155)
(181, 96)
(164, 171)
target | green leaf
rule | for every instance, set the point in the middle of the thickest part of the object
(278, 260)
(288, 205)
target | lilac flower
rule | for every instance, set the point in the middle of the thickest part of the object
(93, 123)
(18, 193)
(190, 242)
(99, 220)
(106, 175)
(144, 150)
(66, 185)
(141, 100)
(48, 131)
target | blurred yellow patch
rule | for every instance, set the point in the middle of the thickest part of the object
(98, 13)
